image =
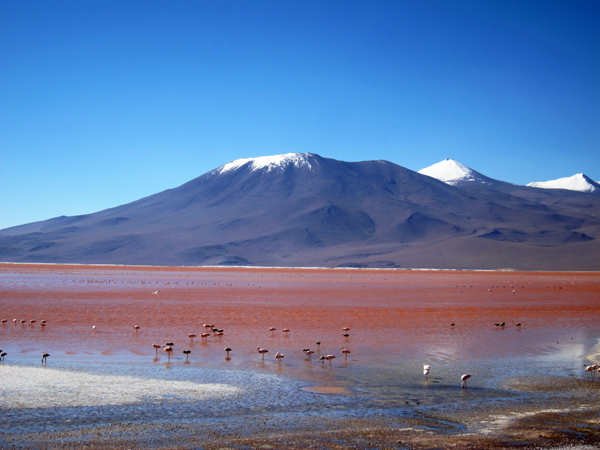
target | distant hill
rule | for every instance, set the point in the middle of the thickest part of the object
(305, 210)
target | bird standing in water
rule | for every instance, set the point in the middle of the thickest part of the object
(464, 379)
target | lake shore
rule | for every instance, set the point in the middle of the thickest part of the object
(106, 387)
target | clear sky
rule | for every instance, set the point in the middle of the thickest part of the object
(104, 102)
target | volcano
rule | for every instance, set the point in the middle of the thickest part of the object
(303, 210)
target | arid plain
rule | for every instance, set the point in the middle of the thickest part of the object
(107, 387)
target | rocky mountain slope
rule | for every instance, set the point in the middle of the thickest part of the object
(305, 210)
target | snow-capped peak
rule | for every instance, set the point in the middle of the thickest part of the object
(269, 163)
(450, 172)
(578, 182)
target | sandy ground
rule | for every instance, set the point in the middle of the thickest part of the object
(107, 388)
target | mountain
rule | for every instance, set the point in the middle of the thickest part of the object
(578, 182)
(306, 210)
(452, 172)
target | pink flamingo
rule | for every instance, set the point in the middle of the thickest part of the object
(592, 370)
(426, 369)
(464, 379)
(346, 352)
(44, 357)
(262, 351)
(279, 356)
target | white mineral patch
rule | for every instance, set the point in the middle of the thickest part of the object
(45, 387)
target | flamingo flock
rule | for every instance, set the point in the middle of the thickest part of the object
(168, 347)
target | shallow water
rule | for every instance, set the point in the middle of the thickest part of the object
(399, 321)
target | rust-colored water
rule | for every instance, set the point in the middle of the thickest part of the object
(393, 315)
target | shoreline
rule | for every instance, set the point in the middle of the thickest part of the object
(284, 268)
(545, 412)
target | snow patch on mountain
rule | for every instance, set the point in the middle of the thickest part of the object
(269, 163)
(578, 182)
(450, 172)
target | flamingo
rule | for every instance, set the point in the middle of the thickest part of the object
(136, 328)
(32, 321)
(227, 349)
(346, 352)
(322, 359)
(272, 329)
(329, 358)
(192, 336)
(319, 345)
(204, 335)
(279, 356)
(286, 330)
(4, 320)
(168, 349)
(308, 352)
(186, 353)
(464, 379)
(94, 328)
(262, 351)
(2, 355)
(156, 347)
(346, 329)
(346, 335)
(426, 369)
(592, 370)
(42, 324)
(44, 357)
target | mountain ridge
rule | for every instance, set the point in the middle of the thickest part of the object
(306, 210)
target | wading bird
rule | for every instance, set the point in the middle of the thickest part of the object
(329, 358)
(346, 352)
(168, 349)
(186, 353)
(592, 370)
(2, 355)
(426, 369)
(279, 356)
(464, 379)
(227, 349)
(192, 336)
(45, 357)
(156, 347)
(262, 351)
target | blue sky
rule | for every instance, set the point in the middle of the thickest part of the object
(105, 102)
